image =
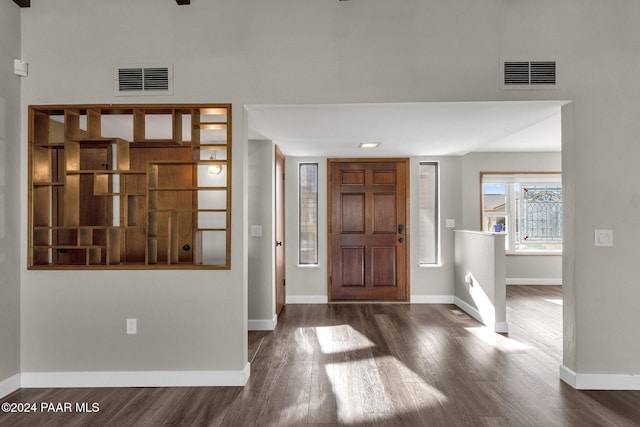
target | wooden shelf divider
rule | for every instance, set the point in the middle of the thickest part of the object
(104, 201)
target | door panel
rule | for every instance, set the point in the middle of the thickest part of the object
(384, 177)
(352, 177)
(384, 213)
(383, 262)
(353, 215)
(353, 263)
(368, 244)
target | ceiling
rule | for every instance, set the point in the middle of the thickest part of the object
(408, 129)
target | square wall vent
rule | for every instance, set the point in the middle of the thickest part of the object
(144, 80)
(528, 74)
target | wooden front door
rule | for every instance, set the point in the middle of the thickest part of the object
(280, 244)
(368, 235)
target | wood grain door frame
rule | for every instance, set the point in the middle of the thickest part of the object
(279, 248)
(407, 162)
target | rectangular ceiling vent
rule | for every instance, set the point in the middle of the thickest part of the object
(148, 80)
(529, 74)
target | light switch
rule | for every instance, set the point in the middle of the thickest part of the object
(20, 68)
(256, 231)
(132, 326)
(603, 238)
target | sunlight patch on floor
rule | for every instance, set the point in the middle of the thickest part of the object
(305, 340)
(498, 341)
(369, 387)
(554, 300)
(363, 396)
(341, 338)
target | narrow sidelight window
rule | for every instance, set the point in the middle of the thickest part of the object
(428, 226)
(308, 212)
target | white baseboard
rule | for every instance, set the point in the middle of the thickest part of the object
(9, 385)
(432, 299)
(533, 281)
(471, 311)
(307, 299)
(499, 327)
(263, 325)
(568, 376)
(136, 379)
(599, 381)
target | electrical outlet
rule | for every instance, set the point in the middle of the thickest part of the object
(450, 223)
(132, 326)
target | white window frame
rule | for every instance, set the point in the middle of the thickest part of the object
(436, 232)
(300, 221)
(510, 214)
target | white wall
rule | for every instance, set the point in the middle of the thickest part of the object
(261, 290)
(534, 269)
(480, 287)
(530, 269)
(187, 320)
(430, 284)
(305, 283)
(283, 51)
(10, 172)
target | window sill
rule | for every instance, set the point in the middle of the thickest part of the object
(533, 253)
(308, 265)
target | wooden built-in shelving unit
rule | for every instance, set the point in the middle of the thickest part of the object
(129, 186)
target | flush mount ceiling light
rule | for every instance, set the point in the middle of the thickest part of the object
(369, 145)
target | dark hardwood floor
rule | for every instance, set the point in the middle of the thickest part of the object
(374, 365)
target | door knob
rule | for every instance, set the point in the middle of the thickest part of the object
(401, 240)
